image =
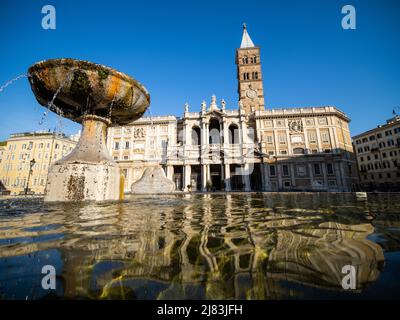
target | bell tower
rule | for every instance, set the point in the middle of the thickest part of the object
(250, 85)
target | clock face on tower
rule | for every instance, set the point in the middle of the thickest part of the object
(251, 93)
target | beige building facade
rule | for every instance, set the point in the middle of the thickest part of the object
(378, 156)
(27, 157)
(248, 148)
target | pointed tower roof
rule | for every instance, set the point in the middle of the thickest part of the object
(246, 40)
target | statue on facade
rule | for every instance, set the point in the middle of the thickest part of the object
(213, 105)
(223, 105)
(203, 106)
(186, 107)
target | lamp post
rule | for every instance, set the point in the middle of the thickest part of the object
(31, 164)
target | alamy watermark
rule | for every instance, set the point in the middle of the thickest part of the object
(349, 281)
(49, 280)
(49, 20)
(349, 20)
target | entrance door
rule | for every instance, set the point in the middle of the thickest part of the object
(216, 178)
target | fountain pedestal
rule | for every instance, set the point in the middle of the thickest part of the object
(88, 172)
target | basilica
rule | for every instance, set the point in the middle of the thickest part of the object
(249, 148)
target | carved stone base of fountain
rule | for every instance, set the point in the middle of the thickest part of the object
(88, 172)
(153, 181)
(82, 181)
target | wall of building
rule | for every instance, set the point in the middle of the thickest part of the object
(21, 149)
(301, 149)
(378, 157)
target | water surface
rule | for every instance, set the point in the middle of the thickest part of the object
(202, 246)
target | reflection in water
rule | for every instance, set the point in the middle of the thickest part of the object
(238, 246)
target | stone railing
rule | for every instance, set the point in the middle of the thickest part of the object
(214, 151)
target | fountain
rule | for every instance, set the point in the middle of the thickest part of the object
(97, 97)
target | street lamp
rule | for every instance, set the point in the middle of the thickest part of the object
(31, 164)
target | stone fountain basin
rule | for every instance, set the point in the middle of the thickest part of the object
(88, 88)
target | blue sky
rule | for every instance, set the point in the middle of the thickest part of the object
(185, 50)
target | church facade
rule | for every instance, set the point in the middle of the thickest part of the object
(249, 148)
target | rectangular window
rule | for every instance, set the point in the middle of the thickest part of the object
(116, 145)
(329, 168)
(286, 184)
(317, 169)
(272, 171)
(282, 139)
(301, 170)
(325, 137)
(322, 121)
(126, 144)
(312, 137)
(285, 170)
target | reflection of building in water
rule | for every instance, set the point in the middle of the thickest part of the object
(216, 247)
(316, 257)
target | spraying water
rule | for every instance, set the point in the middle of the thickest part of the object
(21, 76)
(51, 106)
(112, 104)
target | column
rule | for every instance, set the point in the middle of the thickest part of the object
(203, 177)
(334, 142)
(289, 143)
(323, 165)
(262, 176)
(339, 180)
(227, 177)
(203, 139)
(344, 179)
(244, 133)
(267, 184)
(292, 174)
(319, 140)
(246, 177)
(311, 174)
(226, 134)
(306, 142)
(187, 141)
(279, 175)
(186, 175)
(170, 172)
